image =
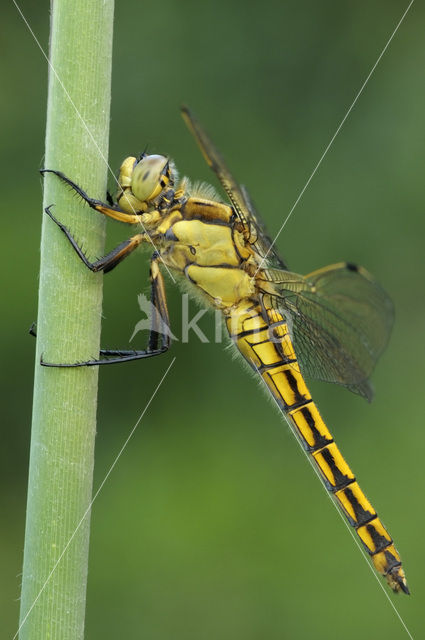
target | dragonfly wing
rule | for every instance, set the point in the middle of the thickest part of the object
(237, 194)
(215, 161)
(340, 320)
(264, 244)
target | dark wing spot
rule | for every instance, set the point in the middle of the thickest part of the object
(351, 266)
(146, 174)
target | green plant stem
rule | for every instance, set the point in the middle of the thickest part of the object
(68, 326)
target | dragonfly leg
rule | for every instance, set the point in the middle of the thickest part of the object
(108, 209)
(159, 334)
(111, 259)
(160, 320)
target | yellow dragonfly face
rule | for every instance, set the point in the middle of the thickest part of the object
(331, 324)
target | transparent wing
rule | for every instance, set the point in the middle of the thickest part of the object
(263, 243)
(237, 194)
(340, 320)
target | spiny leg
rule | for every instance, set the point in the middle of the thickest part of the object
(159, 338)
(108, 209)
(111, 259)
(159, 327)
(158, 306)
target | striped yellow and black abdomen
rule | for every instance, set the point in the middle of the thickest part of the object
(267, 347)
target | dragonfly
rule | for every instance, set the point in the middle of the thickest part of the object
(332, 324)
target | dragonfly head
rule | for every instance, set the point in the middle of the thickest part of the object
(151, 176)
(146, 183)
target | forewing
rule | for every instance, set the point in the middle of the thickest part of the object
(237, 194)
(217, 164)
(340, 320)
(263, 243)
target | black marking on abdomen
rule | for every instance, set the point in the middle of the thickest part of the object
(391, 563)
(244, 334)
(380, 542)
(265, 368)
(287, 408)
(320, 440)
(362, 516)
(341, 480)
(292, 381)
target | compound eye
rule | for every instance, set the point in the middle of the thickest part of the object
(149, 177)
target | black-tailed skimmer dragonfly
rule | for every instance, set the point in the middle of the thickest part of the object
(331, 324)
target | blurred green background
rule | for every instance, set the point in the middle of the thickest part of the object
(213, 525)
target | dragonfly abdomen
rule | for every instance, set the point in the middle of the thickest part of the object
(268, 348)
